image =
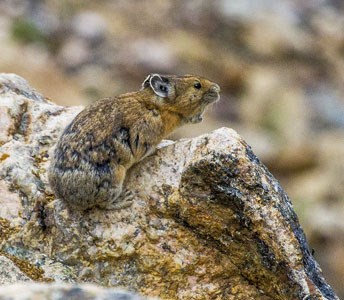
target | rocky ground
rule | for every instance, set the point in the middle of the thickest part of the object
(62, 291)
(208, 220)
(280, 66)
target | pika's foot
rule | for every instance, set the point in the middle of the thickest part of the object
(124, 200)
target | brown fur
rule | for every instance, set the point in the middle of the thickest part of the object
(104, 140)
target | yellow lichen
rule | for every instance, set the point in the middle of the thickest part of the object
(26, 267)
(4, 156)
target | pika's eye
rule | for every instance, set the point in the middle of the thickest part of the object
(197, 85)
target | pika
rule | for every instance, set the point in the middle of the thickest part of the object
(95, 151)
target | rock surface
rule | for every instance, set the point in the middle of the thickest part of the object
(9, 272)
(62, 291)
(208, 222)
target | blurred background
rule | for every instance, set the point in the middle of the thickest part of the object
(280, 65)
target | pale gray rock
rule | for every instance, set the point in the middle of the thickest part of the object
(10, 273)
(151, 54)
(89, 26)
(74, 53)
(62, 291)
(27, 132)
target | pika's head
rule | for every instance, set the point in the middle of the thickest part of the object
(186, 95)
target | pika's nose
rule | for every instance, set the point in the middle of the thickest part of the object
(215, 88)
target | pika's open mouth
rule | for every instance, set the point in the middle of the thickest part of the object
(208, 98)
(211, 97)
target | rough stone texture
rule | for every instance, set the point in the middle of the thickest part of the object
(208, 222)
(62, 291)
(9, 272)
(280, 65)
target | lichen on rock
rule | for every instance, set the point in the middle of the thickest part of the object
(63, 291)
(208, 221)
(9, 272)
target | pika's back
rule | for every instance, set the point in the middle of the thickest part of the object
(102, 142)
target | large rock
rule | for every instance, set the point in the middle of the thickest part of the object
(208, 220)
(62, 291)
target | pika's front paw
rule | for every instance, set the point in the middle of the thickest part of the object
(124, 200)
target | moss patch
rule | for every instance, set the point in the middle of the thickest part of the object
(26, 31)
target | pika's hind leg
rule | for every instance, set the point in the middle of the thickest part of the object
(116, 199)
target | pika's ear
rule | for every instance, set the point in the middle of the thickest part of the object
(160, 85)
(146, 83)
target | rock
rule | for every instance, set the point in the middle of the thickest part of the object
(90, 26)
(149, 54)
(28, 132)
(10, 273)
(328, 107)
(62, 291)
(11, 206)
(74, 53)
(208, 219)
